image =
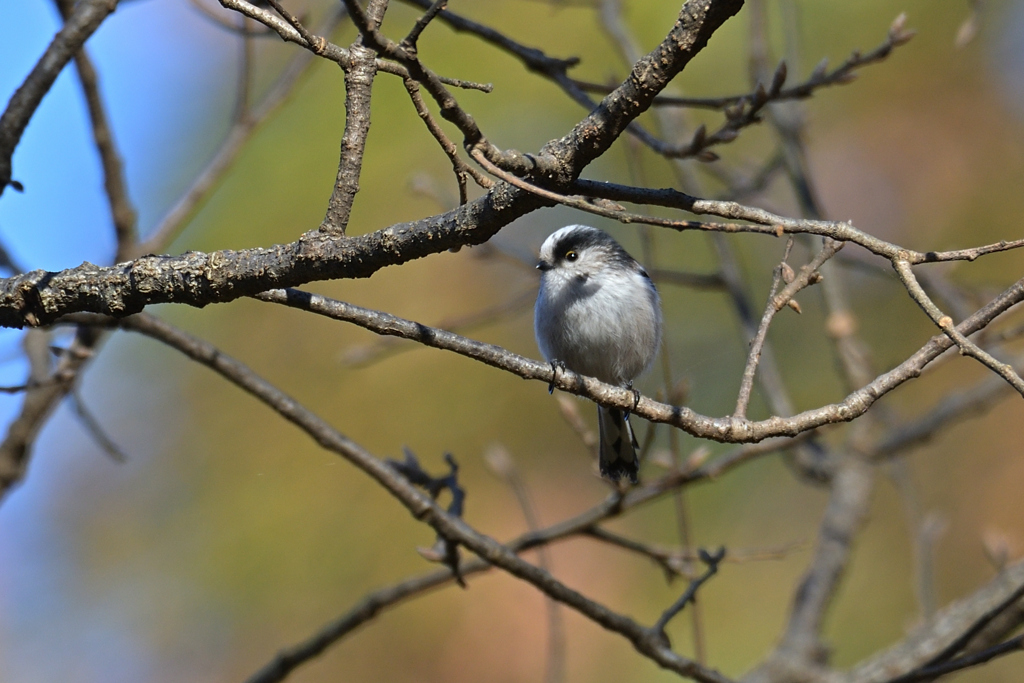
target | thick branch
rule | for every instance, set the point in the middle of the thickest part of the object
(38, 297)
(358, 89)
(931, 640)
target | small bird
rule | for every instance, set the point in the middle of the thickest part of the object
(598, 313)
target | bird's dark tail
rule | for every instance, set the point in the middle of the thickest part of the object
(617, 454)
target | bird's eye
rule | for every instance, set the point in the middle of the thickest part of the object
(571, 256)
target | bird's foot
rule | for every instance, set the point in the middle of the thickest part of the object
(636, 398)
(556, 365)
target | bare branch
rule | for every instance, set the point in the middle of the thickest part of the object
(952, 409)
(226, 275)
(646, 641)
(615, 505)
(931, 673)
(819, 78)
(367, 354)
(766, 222)
(358, 88)
(719, 429)
(674, 561)
(945, 632)
(82, 23)
(712, 561)
(219, 20)
(237, 137)
(315, 43)
(410, 40)
(461, 168)
(324, 48)
(706, 281)
(776, 301)
(365, 610)
(95, 429)
(245, 69)
(45, 392)
(945, 323)
(121, 208)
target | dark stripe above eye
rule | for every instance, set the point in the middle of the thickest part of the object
(582, 238)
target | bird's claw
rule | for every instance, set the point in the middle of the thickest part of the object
(636, 398)
(556, 365)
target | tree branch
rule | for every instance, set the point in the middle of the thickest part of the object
(326, 49)
(121, 209)
(932, 639)
(82, 23)
(726, 429)
(239, 134)
(945, 323)
(358, 89)
(421, 506)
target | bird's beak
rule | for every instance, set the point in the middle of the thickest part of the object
(543, 266)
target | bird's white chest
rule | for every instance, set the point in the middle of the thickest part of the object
(607, 326)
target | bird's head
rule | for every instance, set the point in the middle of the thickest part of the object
(580, 251)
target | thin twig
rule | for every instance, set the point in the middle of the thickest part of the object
(712, 561)
(675, 561)
(121, 209)
(949, 411)
(945, 323)
(570, 413)
(208, 178)
(411, 39)
(83, 22)
(219, 20)
(315, 43)
(819, 78)
(245, 69)
(95, 429)
(757, 343)
(459, 167)
(329, 50)
(808, 275)
(701, 281)
(367, 354)
(47, 389)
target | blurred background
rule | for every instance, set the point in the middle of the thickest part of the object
(228, 534)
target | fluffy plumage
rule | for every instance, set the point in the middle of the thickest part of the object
(598, 313)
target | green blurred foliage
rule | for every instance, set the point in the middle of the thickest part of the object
(239, 536)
